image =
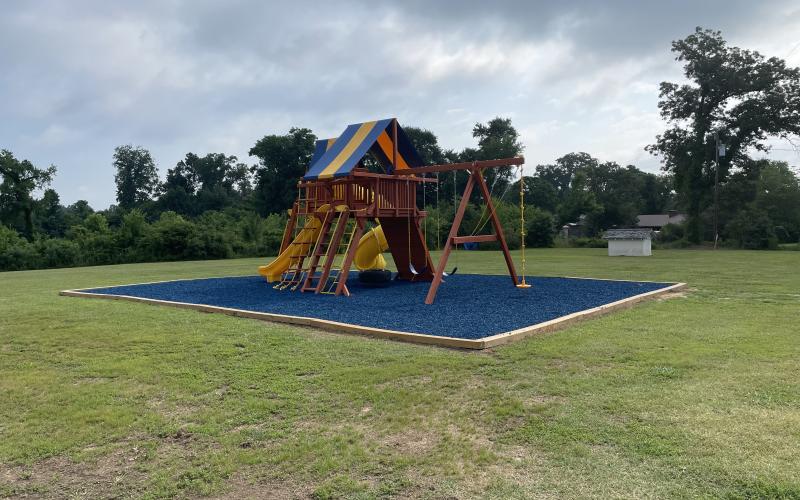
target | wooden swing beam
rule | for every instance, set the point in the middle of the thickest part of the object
(467, 165)
(475, 178)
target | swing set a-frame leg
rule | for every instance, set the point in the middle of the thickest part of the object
(474, 178)
(498, 228)
(448, 245)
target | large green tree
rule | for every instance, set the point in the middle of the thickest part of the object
(283, 159)
(50, 214)
(560, 174)
(739, 94)
(427, 145)
(608, 194)
(20, 179)
(136, 176)
(497, 138)
(200, 183)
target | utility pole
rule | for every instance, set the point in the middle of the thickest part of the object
(718, 151)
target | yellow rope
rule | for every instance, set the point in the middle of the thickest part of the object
(522, 283)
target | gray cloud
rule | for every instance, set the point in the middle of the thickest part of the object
(80, 78)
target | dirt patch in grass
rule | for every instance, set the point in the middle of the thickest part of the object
(543, 400)
(413, 442)
(240, 486)
(676, 294)
(172, 411)
(113, 475)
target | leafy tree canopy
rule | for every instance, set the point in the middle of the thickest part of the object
(136, 176)
(736, 93)
(283, 159)
(20, 179)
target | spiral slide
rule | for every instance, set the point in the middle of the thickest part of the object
(369, 250)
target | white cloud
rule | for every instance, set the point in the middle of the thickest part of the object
(83, 77)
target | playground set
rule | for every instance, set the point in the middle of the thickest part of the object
(348, 215)
(338, 197)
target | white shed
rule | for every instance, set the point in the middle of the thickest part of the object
(630, 242)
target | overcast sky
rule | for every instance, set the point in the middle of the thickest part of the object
(79, 78)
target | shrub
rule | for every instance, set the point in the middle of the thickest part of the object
(95, 241)
(672, 232)
(589, 243)
(272, 234)
(58, 252)
(16, 253)
(172, 238)
(539, 228)
(752, 229)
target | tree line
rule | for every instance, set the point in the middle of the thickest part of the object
(215, 206)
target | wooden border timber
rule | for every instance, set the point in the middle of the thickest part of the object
(419, 338)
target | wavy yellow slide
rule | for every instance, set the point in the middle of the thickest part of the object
(274, 270)
(368, 252)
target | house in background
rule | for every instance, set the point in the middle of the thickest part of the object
(629, 242)
(657, 221)
(574, 229)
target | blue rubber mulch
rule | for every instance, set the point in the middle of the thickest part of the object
(468, 306)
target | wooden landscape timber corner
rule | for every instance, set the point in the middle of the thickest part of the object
(452, 342)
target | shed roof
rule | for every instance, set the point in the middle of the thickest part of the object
(628, 234)
(338, 157)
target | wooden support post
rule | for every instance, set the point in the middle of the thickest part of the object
(428, 269)
(498, 228)
(462, 207)
(288, 232)
(341, 287)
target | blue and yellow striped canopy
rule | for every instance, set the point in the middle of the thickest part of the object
(338, 157)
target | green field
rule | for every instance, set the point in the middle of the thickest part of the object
(697, 395)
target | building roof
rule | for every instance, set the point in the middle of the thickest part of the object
(338, 157)
(628, 234)
(660, 220)
(653, 220)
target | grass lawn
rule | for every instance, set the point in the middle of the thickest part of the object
(698, 395)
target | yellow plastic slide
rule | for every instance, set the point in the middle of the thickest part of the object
(274, 270)
(368, 252)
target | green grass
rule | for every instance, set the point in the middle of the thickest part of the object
(697, 395)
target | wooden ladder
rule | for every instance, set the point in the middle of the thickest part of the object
(297, 270)
(330, 284)
(330, 237)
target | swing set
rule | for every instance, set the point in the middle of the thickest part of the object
(338, 198)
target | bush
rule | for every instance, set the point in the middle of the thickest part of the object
(58, 252)
(172, 238)
(671, 232)
(16, 253)
(95, 241)
(272, 234)
(539, 228)
(589, 243)
(217, 236)
(752, 229)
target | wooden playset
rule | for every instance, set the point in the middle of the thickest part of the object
(327, 231)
